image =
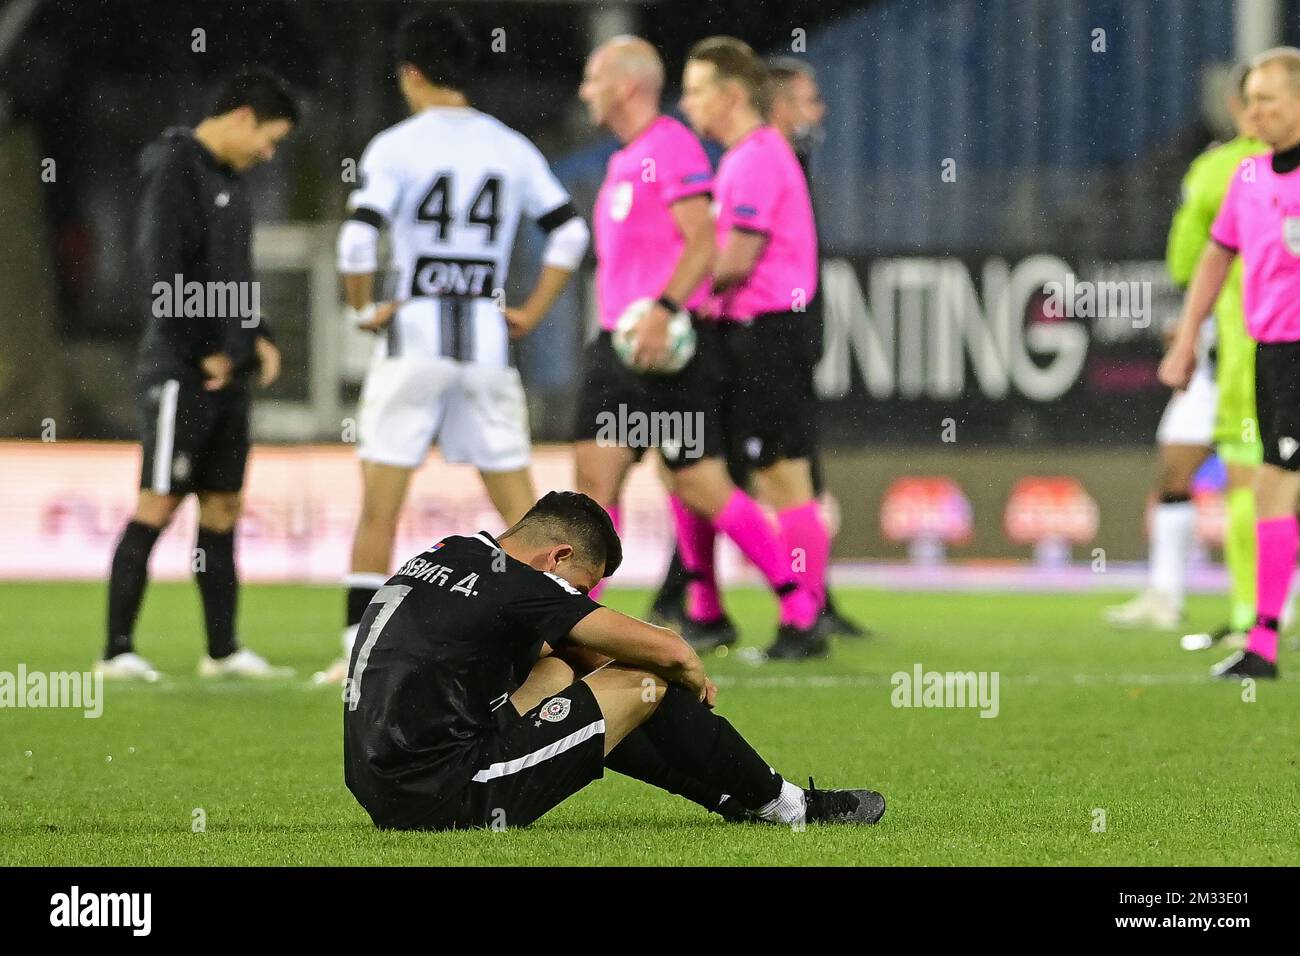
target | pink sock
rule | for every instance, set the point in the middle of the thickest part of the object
(804, 535)
(743, 522)
(695, 537)
(1277, 539)
(616, 516)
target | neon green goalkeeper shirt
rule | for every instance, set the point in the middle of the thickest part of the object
(1204, 187)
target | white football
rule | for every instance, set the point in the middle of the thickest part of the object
(681, 337)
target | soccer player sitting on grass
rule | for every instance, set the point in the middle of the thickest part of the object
(440, 733)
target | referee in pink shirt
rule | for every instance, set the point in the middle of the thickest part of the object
(1260, 221)
(764, 276)
(654, 240)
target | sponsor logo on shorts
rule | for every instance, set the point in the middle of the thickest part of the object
(1286, 447)
(181, 467)
(753, 448)
(471, 277)
(555, 709)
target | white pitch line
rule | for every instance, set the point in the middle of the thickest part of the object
(825, 681)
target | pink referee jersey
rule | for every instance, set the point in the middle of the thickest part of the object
(637, 240)
(760, 187)
(1260, 220)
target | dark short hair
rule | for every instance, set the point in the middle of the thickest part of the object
(573, 517)
(438, 45)
(263, 91)
(735, 60)
(782, 69)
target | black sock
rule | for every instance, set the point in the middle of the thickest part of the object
(637, 757)
(126, 583)
(358, 600)
(828, 606)
(672, 592)
(214, 570)
(704, 745)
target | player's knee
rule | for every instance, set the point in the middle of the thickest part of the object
(653, 689)
(554, 672)
(156, 510)
(219, 512)
(379, 513)
(596, 482)
(704, 492)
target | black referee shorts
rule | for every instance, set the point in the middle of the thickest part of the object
(613, 393)
(1277, 402)
(769, 408)
(194, 440)
(531, 764)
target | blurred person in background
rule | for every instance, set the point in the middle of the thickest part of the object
(797, 110)
(1217, 409)
(764, 274)
(1259, 220)
(204, 340)
(451, 184)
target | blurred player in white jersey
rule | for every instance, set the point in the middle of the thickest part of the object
(451, 184)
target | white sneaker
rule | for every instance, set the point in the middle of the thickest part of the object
(335, 674)
(1234, 640)
(242, 663)
(128, 666)
(1149, 609)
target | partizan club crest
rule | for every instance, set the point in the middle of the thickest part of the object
(555, 709)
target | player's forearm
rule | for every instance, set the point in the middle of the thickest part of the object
(637, 643)
(550, 284)
(358, 288)
(692, 265)
(730, 273)
(1207, 283)
(737, 259)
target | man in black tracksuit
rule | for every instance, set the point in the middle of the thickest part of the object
(205, 336)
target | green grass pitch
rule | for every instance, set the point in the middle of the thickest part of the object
(1185, 770)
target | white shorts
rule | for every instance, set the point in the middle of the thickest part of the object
(476, 413)
(1189, 416)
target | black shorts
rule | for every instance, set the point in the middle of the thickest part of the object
(193, 440)
(1277, 402)
(765, 385)
(675, 413)
(531, 764)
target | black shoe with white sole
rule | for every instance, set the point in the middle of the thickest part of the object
(1244, 664)
(705, 636)
(798, 644)
(842, 806)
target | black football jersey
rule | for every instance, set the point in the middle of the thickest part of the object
(436, 656)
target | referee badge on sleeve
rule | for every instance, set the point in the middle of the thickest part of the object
(555, 709)
(1291, 234)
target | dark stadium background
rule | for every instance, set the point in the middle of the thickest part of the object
(1059, 150)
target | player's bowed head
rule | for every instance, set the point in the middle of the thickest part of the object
(569, 535)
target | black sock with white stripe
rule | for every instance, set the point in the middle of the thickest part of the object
(637, 757)
(214, 570)
(701, 744)
(126, 583)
